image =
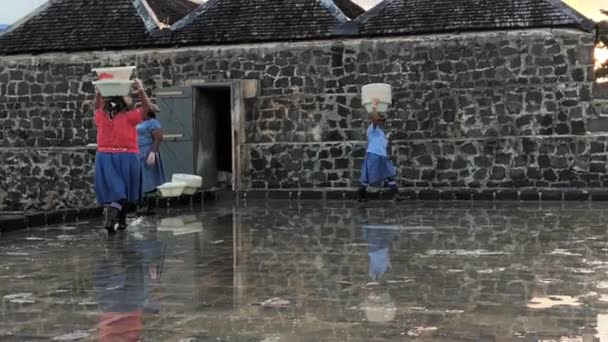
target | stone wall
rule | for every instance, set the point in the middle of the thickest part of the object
(484, 110)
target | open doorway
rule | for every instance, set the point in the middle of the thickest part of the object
(213, 143)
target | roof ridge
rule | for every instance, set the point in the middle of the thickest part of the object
(202, 8)
(372, 12)
(335, 10)
(148, 15)
(584, 22)
(352, 27)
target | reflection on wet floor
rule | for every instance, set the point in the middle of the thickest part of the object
(275, 271)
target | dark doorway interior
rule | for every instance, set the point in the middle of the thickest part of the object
(213, 137)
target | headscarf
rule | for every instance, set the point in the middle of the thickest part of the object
(115, 105)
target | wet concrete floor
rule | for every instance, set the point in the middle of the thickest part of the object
(313, 271)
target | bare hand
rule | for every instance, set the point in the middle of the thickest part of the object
(375, 102)
(139, 85)
(151, 159)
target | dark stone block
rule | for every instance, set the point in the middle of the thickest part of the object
(54, 217)
(9, 223)
(481, 174)
(469, 149)
(578, 127)
(36, 220)
(310, 195)
(529, 195)
(279, 194)
(459, 164)
(335, 195)
(463, 195)
(599, 195)
(90, 213)
(543, 161)
(507, 195)
(550, 175)
(70, 215)
(576, 195)
(484, 195)
(374, 195)
(447, 195)
(428, 195)
(498, 172)
(411, 195)
(551, 195)
(598, 167)
(567, 175)
(562, 129)
(256, 195)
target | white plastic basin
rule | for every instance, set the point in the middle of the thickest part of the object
(114, 88)
(381, 91)
(172, 189)
(193, 182)
(116, 74)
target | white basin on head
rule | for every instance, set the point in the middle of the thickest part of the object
(114, 88)
(116, 73)
(381, 91)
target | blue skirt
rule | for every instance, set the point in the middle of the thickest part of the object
(151, 176)
(376, 169)
(117, 177)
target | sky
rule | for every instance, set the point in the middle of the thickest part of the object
(12, 10)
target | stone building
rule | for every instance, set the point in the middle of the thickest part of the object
(494, 100)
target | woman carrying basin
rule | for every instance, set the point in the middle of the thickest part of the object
(117, 167)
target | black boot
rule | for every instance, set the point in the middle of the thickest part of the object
(122, 219)
(362, 194)
(396, 196)
(110, 219)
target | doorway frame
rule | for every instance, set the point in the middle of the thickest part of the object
(237, 121)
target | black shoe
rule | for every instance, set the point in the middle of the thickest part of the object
(362, 195)
(110, 216)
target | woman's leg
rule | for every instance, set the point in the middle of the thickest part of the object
(392, 184)
(363, 182)
(110, 217)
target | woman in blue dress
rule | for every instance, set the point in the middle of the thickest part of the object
(149, 138)
(377, 168)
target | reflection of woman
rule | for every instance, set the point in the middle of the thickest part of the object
(117, 170)
(149, 138)
(379, 306)
(123, 287)
(379, 239)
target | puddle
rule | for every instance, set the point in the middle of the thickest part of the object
(563, 252)
(491, 270)
(552, 301)
(421, 330)
(462, 252)
(73, 336)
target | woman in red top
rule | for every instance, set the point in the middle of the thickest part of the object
(117, 173)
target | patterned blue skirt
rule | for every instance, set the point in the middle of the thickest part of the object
(376, 169)
(117, 177)
(151, 176)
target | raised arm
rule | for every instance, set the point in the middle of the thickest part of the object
(99, 102)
